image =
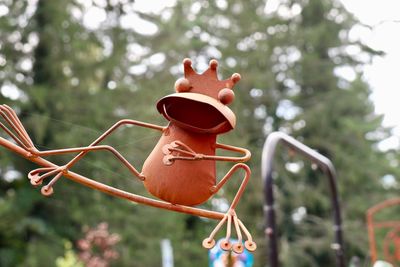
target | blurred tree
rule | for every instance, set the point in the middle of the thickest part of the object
(302, 75)
(64, 65)
(328, 107)
(77, 76)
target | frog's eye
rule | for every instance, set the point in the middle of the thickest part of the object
(182, 85)
(226, 96)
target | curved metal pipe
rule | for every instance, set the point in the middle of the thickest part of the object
(373, 225)
(267, 168)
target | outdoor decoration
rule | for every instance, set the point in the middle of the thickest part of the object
(181, 169)
(391, 241)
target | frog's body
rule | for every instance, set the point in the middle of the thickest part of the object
(193, 178)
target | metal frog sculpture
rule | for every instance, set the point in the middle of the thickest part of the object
(181, 169)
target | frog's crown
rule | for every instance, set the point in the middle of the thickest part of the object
(206, 83)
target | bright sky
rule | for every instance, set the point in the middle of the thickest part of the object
(384, 73)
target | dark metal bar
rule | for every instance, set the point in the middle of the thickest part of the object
(267, 168)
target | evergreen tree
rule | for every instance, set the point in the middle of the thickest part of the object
(334, 116)
(78, 86)
(69, 81)
(290, 60)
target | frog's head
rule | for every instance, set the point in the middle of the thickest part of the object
(201, 101)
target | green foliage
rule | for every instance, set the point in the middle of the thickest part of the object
(77, 81)
(70, 258)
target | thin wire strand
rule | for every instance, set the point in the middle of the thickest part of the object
(75, 125)
(97, 131)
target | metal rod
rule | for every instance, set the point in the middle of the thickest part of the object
(386, 224)
(372, 225)
(267, 168)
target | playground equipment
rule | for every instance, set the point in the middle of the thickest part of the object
(181, 169)
(267, 167)
(391, 242)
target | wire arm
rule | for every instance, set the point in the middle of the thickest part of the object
(186, 153)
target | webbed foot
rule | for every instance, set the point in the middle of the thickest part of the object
(238, 247)
(38, 175)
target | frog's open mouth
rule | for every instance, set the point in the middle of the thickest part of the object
(197, 112)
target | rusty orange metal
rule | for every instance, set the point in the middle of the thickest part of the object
(391, 242)
(181, 169)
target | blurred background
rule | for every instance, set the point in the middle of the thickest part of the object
(72, 68)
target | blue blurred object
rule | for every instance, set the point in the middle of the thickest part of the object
(220, 258)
